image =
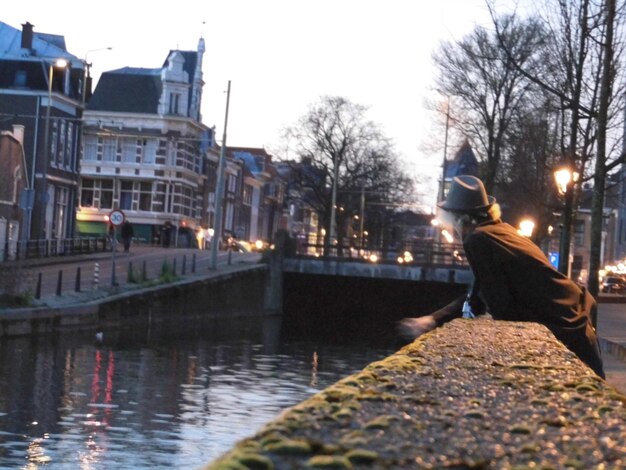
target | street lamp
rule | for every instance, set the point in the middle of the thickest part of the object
(87, 66)
(565, 178)
(61, 63)
(526, 228)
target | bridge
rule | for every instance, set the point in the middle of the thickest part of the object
(417, 261)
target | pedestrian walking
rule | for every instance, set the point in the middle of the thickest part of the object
(127, 235)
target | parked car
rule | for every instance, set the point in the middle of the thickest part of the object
(613, 284)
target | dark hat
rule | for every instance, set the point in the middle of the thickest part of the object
(467, 194)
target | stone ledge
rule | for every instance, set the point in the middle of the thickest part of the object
(471, 394)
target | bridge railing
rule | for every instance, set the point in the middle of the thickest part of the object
(420, 253)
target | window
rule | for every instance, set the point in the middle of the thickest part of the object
(62, 144)
(126, 195)
(90, 148)
(106, 194)
(53, 142)
(145, 196)
(109, 149)
(87, 192)
(186, 201)
(20, 79)
(232, 184)
(247, 194)
(579, 232)
(150, 150)
(174, 101)
(129, 150)
(61, 197)
(69, 145)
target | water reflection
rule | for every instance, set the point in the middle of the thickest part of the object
(168, 396)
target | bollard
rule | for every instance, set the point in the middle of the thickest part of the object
(184, 267)
(77, 285)
(174, 267)
(60, 282)
(193, 264)
(96, 276)
(129, 273)
(230, 255)
(144, 273)
(38, 288)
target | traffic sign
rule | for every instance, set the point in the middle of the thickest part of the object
(116, 217)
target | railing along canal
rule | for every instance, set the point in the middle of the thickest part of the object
(416, 253)
(53, 247)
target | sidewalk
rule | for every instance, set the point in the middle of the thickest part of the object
(186, 263)
(612, 333)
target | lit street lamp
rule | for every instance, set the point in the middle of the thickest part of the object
(526, 228)
(565, 178)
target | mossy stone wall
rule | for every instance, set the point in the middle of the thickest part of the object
(471, 394)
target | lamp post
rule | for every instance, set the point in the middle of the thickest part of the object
(565, 178)
(61, 63)
(219, 191)
(87, 66)
(333, 207)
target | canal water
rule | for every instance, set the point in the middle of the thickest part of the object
(175, 396)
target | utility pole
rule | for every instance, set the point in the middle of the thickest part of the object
(362, 221)
(333, 209)
(219, 191)
(442, 191)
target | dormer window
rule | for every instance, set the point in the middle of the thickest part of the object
(20, 79)
(174, 103)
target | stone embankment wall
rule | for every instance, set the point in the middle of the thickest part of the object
(471, 394)
(239, 291)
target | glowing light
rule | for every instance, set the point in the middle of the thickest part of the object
(526, 228)
(373, 258)
(258, 244)
(563, 176)
(400, 260)
(435, 222)
(449, 238)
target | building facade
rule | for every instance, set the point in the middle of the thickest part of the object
(14, 187)
(262, 195)
(41, 87)
(144, 151)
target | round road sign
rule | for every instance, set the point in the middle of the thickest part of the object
(116, 217)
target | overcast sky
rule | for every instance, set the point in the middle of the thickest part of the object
(280, 55)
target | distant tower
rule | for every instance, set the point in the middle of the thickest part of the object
(463, 163)
(198, 83)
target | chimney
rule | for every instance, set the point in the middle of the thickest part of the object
(18, 133)
(27, 36)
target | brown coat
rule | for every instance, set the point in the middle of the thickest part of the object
(515, 281)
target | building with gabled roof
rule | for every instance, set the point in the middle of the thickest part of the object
(262, 194)
(145, 151)
(46, 99)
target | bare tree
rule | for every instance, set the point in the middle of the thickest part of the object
(487, 88)
(579, 71)
(606, 85)
(340, 154)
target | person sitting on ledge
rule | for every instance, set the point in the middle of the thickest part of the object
(513, 279)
